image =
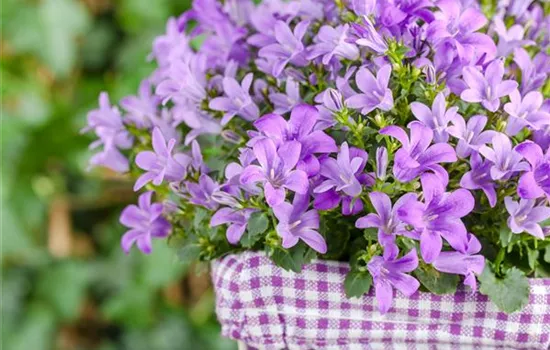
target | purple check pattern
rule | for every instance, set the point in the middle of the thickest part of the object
(266, 307)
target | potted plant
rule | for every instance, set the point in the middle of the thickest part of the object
(354, 169)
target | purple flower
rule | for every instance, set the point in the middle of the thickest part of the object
(385, 220)
(509, 39)
(288, 49)
(542, 137)
(144, 221)
(526, 217)
(439, 216)
(331, 42)
(381, 162)
(343, 180)
(458, 25)
(276, 170)
(185, 81)
(297, 223)
(298, 128)
(535, 182)
(368, 36)
(332, 102)
(394, 12)
(284, 102)
(390, 272)
(479, 178)
(470, 134)
(376, 93)
(202, 193)
(109, 127)
(533, 72)
(467, 263)
(236, 220)
(488, 88)
(237, 101)
(505, 160)
(142, 109)
(524, 112)
(197, 162)
(437, 118)
(416, 155)
(172, 45)
(363, 7)
(161, 165)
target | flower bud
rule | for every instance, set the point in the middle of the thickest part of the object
(381, 162)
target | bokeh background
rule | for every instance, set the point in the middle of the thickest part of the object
(65, 282)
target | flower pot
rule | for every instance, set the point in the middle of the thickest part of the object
(266, 307)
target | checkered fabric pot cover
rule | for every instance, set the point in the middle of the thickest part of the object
(266, 307)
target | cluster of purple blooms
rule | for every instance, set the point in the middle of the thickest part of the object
(309, 100)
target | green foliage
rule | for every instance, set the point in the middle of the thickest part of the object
(257, 225)
(510, 293)
(57, 55)
(293, 259)
(357, 283)
(436, 282)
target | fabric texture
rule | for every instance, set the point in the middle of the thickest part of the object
(266, 307)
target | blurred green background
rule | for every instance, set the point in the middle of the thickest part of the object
(65, 282)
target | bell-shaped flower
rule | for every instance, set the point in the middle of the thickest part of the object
(300, 128)
(202, 193)
(437, 118)
(470, 134)
(288, 49)
(342, 180)
(145, 222)
(467, 263)
(535, 182)
(479, 178)
(276, 170)
(332, 42)
(296, 223)
(506, 161)
(375, 91)
(416, 156)
(237, 100)
(439, 216)
(487, 88)
(385, 220)
(161, 164)
(390, 272)
(236, 219)
(526, 216)
(525, 112)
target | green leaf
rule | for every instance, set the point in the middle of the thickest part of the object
(189, 253)
(257, 225)
(357, 283)
(129, 306)
(436, 282)
(63, 21)
(510, 293)
(292, 259)
(160, 268)
(547, 254)
(507, 237)
(532, 256)
(66, 297)
(199, 216)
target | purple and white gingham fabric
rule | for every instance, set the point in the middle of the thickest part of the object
(267, 307)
